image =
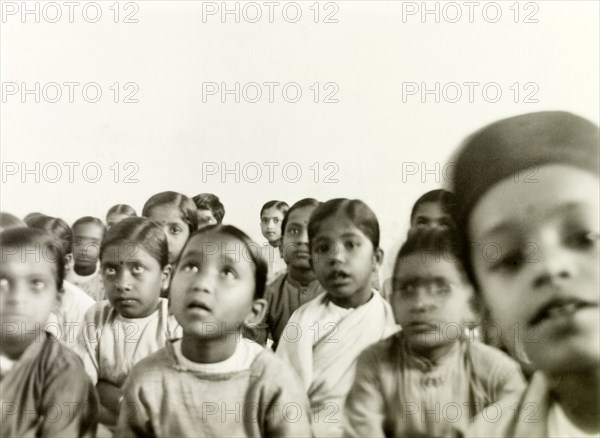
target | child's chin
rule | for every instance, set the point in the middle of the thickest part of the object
(579, 353)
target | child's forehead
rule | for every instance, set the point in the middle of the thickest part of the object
(271, 212)
(300, 215)
(426, 264)
(88, 229)
(558, 191)
(125, 251)
(336, 225)
(210, 243)
(23, 262)
(431, 209)
(166, 213)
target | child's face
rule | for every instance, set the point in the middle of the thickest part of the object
(543, 287)
(343, 259)
(86, 244)
(28, 292)
(430, 216)
(114, 218)
(176, 230)
(295, 238)
(270, 224)
(205, 218)
(212, 292)
(430, 300)
(133, 279)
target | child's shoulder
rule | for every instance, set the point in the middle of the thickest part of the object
(308, 309)
(100, 309)
(157, 363)
(380, 351)
(485, 357)
(60, 359)
(268, 365)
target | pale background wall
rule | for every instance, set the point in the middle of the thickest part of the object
(369, 133)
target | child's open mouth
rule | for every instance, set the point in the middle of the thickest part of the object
(339, 277)
(198, 305)
(559, 308)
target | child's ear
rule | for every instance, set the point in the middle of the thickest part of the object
(60, 293)
(377, 258)
(68, 260)
(257, 313)
(165, 279)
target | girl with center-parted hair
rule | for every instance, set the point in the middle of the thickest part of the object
(134, 322)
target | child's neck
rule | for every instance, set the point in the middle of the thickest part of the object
(210, 350)
(84, 270)
(436, 353)
(579, 396)
(302, 276)
(357, 299)
(275, 243)
(14, 350)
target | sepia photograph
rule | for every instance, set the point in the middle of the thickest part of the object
(311, 218)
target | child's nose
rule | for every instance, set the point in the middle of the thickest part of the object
(203, 282)
(422, 302)
(552, 262)
(123, 281)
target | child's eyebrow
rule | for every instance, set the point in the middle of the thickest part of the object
(192, 254)
(231, 260)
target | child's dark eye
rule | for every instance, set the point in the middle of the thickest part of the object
(137, 269)
(586, 240)
(229, 273)
(175, 230)
(276, 221)
(38, 284)
(512, 261)
(407, 290)
(110, 271)
(323, 248)
(442, 289)
(445, 224)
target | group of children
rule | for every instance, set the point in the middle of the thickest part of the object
(174, 324)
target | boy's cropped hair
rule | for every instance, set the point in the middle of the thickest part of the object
(282, 206)
(88, 220)
(23, 240)
(209, 201)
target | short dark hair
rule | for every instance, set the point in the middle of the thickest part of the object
(179, 200)
(8, 220)
(282, 206)
(121, 209)
(57, 227)
(210, 201)
(356, 210)
(88, 220)
(443, 197)
(140, 231)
